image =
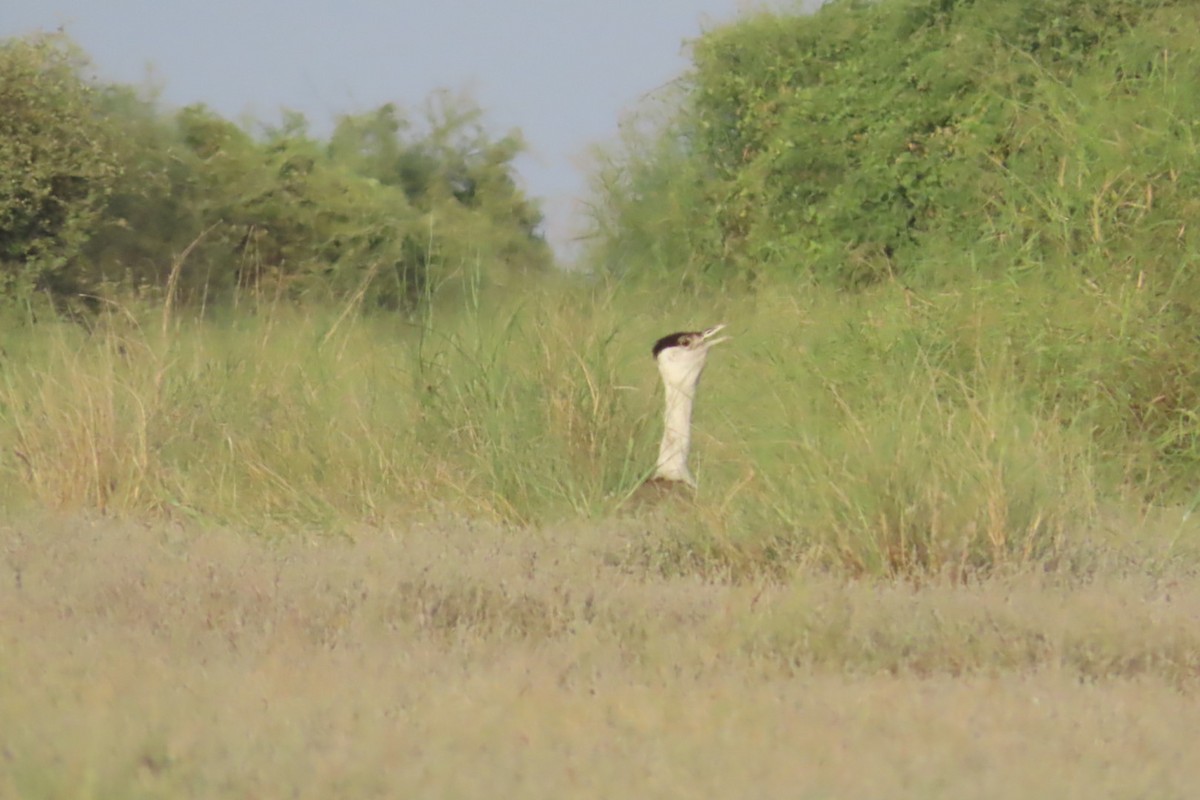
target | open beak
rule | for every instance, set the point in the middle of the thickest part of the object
(706, 337)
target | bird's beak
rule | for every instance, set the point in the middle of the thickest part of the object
(707, 339)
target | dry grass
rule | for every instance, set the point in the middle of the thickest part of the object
(461, 660)
(856, 432)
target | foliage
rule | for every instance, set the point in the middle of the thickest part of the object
(57, 165)
(926, 139)
(117, 195)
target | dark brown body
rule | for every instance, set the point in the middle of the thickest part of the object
(658, 492)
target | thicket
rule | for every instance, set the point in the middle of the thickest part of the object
(104, 192)
(930, 140)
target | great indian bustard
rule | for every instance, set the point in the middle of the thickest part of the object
(681, 358)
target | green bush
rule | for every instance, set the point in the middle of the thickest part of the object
(924, 139)
(57, 167)
(107, 194)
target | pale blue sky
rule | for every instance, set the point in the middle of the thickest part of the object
(564, 71)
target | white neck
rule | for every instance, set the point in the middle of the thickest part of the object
(677, 433)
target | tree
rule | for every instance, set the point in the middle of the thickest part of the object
(57, 166)
(102, 191)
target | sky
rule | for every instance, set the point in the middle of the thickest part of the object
(563, 71)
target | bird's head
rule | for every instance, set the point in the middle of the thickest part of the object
(681, 356)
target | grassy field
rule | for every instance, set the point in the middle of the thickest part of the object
(880, 433)
(285, 554)
(266, 539)
(458, 659)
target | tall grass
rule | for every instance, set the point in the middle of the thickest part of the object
(287, 416)
(879, 432)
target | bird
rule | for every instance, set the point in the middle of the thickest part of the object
(681, 358)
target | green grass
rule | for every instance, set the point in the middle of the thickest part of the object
(881, 432)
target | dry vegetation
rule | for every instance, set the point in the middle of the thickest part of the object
(461, 660)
